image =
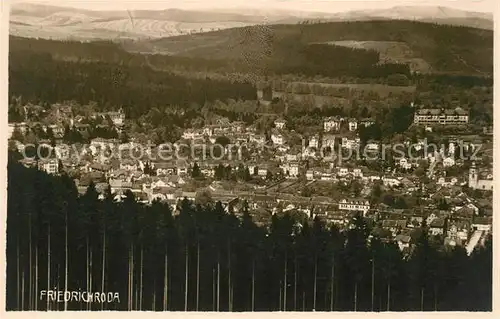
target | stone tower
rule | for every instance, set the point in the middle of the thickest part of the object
(473, 176)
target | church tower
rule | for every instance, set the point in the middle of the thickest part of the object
(473, 176)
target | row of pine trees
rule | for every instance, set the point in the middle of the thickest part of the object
(205, 259)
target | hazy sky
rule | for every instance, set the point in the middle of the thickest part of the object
(301, 5)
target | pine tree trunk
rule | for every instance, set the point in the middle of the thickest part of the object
(373, 283)
(91, 274)
(325, 299)
(132, 294)
(153, 306)
(230, 306)
(103, 267)
(165, 283)
(134, 286)
(87, 268)
(232, 297)
(332, 283)
(285, 281)
(356, 295)
(389, 296)
(22, 289)
(253, 284)
(315, 281)
(380, 302)
(435, 297)
(18, 278)
(280, 291)
(137, 287)
(295, 284)
(214, 290)
(218, 281)
(422, 299)
(186, 280)
(134, 283)
(129, 279)
(66, 261)
(58, 276)
(303, 301)
(141, 278)
(198, 276)
(48, 265)
(36, 276)
(336, 294)
(31, 292)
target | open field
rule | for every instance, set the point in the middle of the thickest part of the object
(390, 52)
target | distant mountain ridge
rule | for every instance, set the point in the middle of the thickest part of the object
(440, 15)
(32, 20)
(422, 12)
(44, 21)
(396, 12)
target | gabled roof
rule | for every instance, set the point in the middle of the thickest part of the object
(481, 221)
(403, 238)
(333, 118)
(164, 165)
(465, 211)
(429, 112)
(100, 167)
(164, 190)
(174, 179)
(437, 223)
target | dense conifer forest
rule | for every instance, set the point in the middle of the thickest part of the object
(309, 60)
(39, 78)
(204, 258)
(445, 48)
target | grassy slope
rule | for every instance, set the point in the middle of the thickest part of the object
(447, 49)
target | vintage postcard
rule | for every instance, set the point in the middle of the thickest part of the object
(249, 156)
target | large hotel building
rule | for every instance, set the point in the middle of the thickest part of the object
(456, 116)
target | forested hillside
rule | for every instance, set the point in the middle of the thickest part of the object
(308, 60)
(170, 90)
(42, 79)
(445, 48)
(324, 63)
(201, 258)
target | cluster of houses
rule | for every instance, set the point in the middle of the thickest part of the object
(271, 160)
(59, 115)
(334, 123)
(455, 226)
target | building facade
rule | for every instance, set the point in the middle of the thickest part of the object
(476, 183)
(456, 116)
(355, 205)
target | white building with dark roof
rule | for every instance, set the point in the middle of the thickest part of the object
(457, 116)
(332, 124)
(361, 205)
(280, 124)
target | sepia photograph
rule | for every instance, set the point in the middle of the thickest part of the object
(249, 156)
